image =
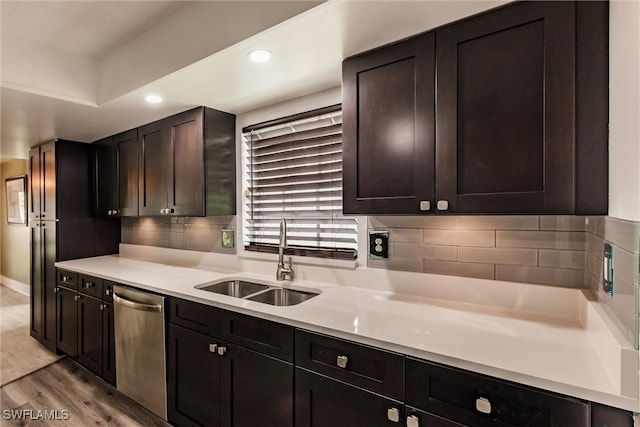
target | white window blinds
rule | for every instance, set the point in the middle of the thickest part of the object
(294, 171)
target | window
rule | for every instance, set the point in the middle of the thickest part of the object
(294, 171)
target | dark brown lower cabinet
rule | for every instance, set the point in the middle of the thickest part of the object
(90, 333)
(85, 326)
(67, 321)
(193, 377)
(108, 344)
(257, 390)
(212, 383)
(476, 400)
(325, 402)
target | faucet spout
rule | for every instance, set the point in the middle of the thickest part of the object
(284, 272)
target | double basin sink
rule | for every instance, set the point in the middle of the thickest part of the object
(258, 292)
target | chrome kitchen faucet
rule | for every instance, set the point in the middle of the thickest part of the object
(284, 271)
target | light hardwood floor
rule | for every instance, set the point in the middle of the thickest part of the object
(40, 388)
(74, 396)
(19, 353)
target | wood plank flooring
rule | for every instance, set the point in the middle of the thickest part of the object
(39, 388)
(73, 395)
(19, 353)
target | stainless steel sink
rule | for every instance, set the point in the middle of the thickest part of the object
(282, 296)
(234, 288)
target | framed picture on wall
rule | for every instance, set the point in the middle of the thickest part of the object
(16, 192)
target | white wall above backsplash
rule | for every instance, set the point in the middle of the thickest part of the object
(624, 104)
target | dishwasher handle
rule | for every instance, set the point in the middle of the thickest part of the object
(137, 305)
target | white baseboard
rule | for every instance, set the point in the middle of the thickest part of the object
(17, 286)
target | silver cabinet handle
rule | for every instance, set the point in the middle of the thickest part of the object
(213, 348)
(76, 298)
(137, 305)
(483, 405)
(163, 211)
(342, 361)
(88, 285)
(393, 414)
(55, 290)
(222, 350)
(425, 205)
(413, 421)
(107, 292)
(443, 205)
(102, 307)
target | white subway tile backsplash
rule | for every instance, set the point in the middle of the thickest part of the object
(499, 256)
(561, 259)
(522, 222)
(547, 276)
(463, 269)
(541, 239)
(562, 223)
(448, 253)
(459, 238)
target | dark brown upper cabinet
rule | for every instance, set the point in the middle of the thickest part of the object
(519, 123)
(388, 128)
(186, 165)
(116, 175)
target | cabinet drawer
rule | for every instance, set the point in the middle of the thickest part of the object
(267, 337)
(195, 316)
(323, 402)
(478, 400)
(68, 279)
(367, 367)
(107, 290)
(90, 285)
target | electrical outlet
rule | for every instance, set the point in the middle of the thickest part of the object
(607, 270)
(228, 240)
(378, 244)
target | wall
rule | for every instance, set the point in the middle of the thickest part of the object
(192, 233)
(561, 251)
(527, 248)
(624, 110)
(15, 250)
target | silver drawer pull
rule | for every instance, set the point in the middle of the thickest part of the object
(413, 421)
(393, 414)
(483, 405)
(88, 285)
(222, 350)
(213, 348)
(342, 361)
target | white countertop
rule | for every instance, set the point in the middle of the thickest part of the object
(556, 353)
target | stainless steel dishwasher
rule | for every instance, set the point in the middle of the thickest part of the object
(140, 354)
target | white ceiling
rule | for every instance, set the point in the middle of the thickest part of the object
(80, 69)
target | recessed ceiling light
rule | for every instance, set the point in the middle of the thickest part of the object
(260, 55)
(153, 99)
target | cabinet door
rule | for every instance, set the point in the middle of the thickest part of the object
(481, 401)
(34, 184)
(105, 185)
(36, 285)
(108, 344)
(193, 378)
(505, 111)
(323, 402)
(257, 390)
(49, 231)
(388, 129)
(67, 321)
(152, 174)
(48, 181)
(126, 157)
(90, 333)
(185, 163)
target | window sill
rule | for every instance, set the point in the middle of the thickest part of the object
(300, 260)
